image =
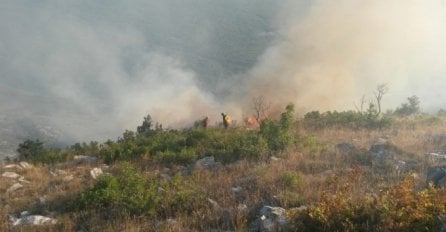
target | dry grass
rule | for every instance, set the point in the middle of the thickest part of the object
(258, 183)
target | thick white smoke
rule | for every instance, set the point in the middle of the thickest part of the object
(341, 50)
(91, 70)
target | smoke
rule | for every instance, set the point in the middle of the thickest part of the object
(91, 70)
(341, 50)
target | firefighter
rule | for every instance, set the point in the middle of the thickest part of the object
(226, 120)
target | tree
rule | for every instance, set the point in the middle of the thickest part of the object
(411, 107)
(261, 108)
(146, 124)
(30, 149)
(379, 93)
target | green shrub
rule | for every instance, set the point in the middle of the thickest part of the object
(349, 119)
(185, 156)
(290, 181)
(278, 135)
(34, 151)
(128, 191)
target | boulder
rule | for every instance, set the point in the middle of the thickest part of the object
(11, 175)
(436, 175)
(25, 165)
(32, 220)
(85, 159)
(96, 172)
(207, 163)
(10, 166)
(270, 219)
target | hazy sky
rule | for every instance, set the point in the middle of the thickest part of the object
(91, 69)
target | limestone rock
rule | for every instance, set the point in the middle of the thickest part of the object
(32, 220)
(11, 175)
(84, 159)
(25, 165)
(96, 172)
(270, 219)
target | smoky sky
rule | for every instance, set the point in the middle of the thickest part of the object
(91, 69)
(96, 68)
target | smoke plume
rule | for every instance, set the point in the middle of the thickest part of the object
(341, 50)
(91, 70)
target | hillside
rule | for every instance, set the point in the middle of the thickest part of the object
(287, 175)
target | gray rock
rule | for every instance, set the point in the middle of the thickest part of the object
(11, 175)
(270, 219)
(32, 220)
(236, 189)
(25, 165)
(10, 166)
(436, 175)
(207, 163)
(24, 213)
(85, 159)
(96, 172)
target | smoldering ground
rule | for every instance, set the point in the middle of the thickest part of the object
(91, 70)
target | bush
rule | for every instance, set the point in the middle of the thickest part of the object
(185, 156)
(128, 192)
(399, 208)
(34, 151)
(349, 119)
(410, 108)
(290, 181)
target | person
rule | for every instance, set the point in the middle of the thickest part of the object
(226, 120)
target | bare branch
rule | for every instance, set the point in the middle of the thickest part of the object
(261, 108)
(380, 91)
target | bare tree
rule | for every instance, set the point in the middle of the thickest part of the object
(261, 108)
(380, 91)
